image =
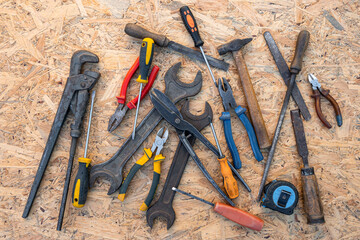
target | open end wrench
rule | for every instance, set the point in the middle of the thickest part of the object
(175, 90)
(163, 206)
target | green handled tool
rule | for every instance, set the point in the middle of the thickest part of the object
(146, 56)
(160, 140)
(81, 183)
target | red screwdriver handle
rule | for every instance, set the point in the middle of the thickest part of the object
(239, 216)
(122, 98)
(190, 24)
(133, 103)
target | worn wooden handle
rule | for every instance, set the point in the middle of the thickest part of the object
(136, 31)
(253, 105)
(312, 201)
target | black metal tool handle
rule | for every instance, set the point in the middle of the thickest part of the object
(191, 26)
(136, 31)
(301, 45)
(312, 200)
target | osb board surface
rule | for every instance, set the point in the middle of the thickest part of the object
(36, 44)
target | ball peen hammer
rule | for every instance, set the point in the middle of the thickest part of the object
(235, 47)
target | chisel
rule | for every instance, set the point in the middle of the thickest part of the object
(312, 201)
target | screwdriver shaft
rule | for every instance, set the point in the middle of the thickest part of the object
(192, 196)
(137, 112)
(216, 139)
(208, 66)
(89, 124)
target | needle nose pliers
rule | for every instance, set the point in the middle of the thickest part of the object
(120, 111)
(317, 92)
(159, 142)
(229, 102)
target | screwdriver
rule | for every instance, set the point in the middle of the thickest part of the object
(230, 183)
(312, 200)
(146, 55)
(232, 213)
(81, 183)
(191, 26)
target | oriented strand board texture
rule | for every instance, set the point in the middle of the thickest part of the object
(36, 43)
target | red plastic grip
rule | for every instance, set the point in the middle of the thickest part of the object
(239, 216)
(132, 104)
(122, 98)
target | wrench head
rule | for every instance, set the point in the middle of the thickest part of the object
(79, 58)
(177, 90)
(112, 168)
(163, 211)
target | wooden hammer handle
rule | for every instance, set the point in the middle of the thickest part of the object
(252, 103)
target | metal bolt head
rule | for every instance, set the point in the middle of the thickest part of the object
(177, 121)
(83, 85)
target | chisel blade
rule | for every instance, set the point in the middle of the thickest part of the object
(196, 55)
(285, 74)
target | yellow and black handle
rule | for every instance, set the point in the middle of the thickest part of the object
(157, 170)
(139, 163)
(146, 56)
(81, 184)
(190, 24)
(230, 183)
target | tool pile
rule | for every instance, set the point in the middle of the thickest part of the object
(278, 195)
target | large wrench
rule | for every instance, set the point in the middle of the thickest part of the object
(163, 206)
(175, 90)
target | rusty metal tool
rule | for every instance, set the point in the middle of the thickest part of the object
(146, 56)
(312, 200)
(286, 75)
(191, 26)
(229, 102)
(158, 145)
(112, 169)
(171, 114)
(256, 117)
(163, 206)
(121, 110)
(295, 68)
(81, 182)
(75, 97)
(236, 215)
(317, 93)
(136, 31)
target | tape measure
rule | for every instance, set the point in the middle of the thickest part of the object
(281, 196)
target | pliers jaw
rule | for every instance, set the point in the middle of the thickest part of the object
(315, 85)
(226, 94)
(160, 140)
(117, 117)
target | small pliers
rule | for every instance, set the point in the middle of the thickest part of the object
(229, 102)
(317, 92)
(160, 140)
(120, 111)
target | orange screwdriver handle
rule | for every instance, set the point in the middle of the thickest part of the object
(239, 216)
(230, 183)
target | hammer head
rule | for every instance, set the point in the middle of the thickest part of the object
(234, 45)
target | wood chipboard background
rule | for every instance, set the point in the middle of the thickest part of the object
(37, 41)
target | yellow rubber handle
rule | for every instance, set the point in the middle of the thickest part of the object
(146, 56)
(230, 183)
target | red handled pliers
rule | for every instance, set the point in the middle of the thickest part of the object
(120, 111)
(317, 92)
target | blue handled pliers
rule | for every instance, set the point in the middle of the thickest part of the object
(229, 102)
